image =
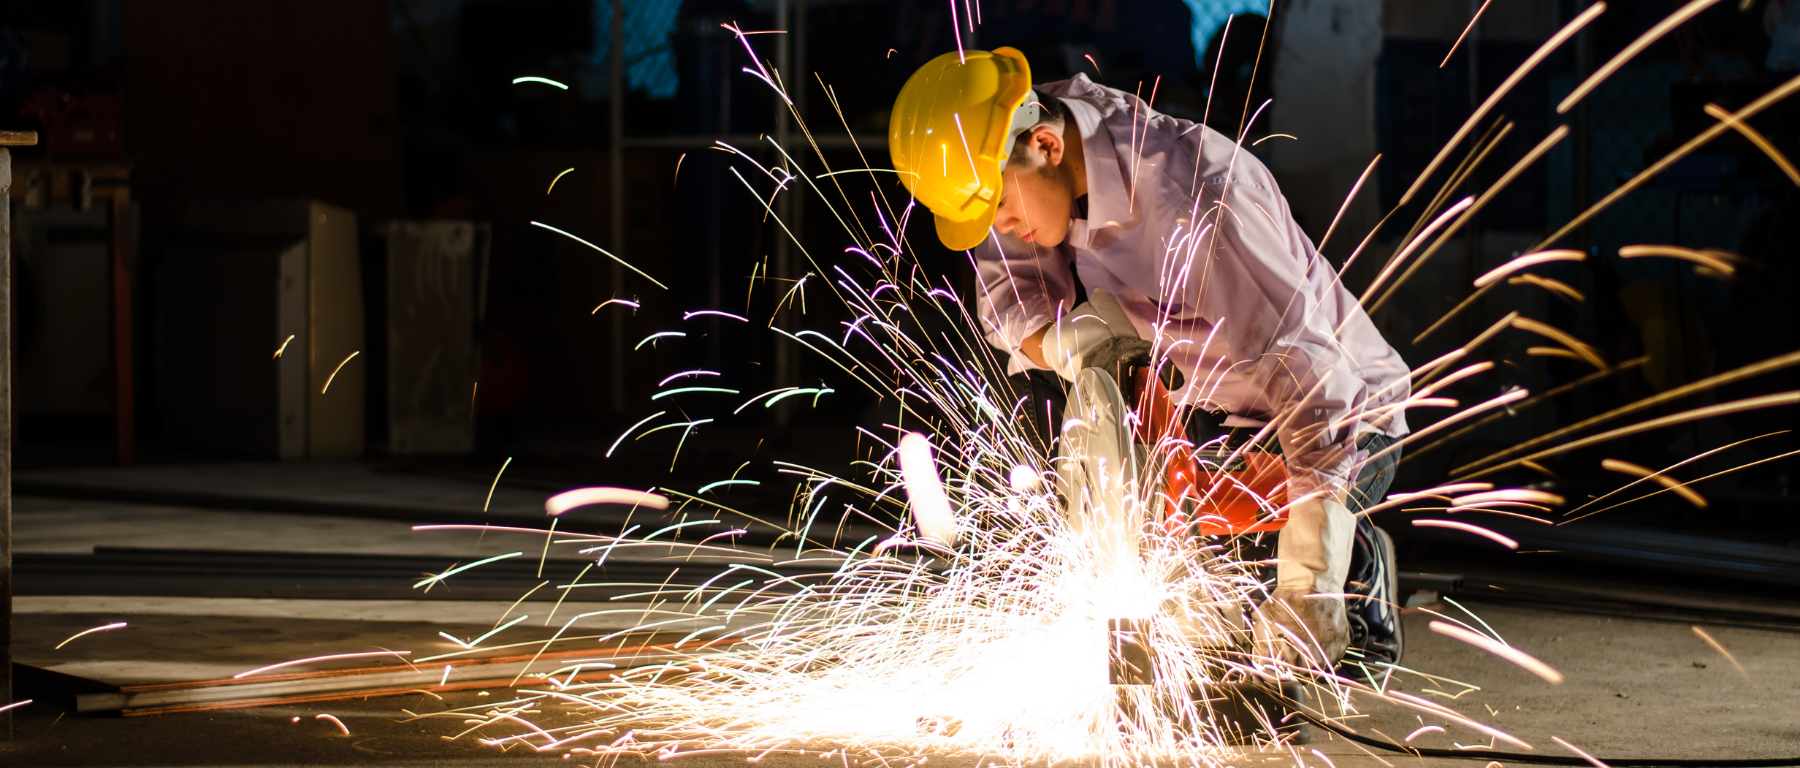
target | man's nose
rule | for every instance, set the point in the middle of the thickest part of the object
(1005, 222)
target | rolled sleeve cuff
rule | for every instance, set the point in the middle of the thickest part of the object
(1013, 335)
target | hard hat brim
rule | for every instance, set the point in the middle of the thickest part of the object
(964, 235)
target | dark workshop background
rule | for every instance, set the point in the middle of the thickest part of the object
(189, 140)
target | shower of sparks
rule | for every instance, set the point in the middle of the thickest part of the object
(284, 346)
(973, 622)
(15, 705)
(104, 628)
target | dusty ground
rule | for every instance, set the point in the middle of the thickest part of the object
(1635, 689)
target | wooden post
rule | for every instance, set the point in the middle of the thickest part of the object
(7, 139)
(124, 401)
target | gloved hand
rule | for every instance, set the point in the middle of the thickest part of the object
(1098, 334)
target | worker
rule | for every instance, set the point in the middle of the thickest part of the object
(1102, 230)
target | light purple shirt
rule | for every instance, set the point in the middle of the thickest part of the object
(1245, 306)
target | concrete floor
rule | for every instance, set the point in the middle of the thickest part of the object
(1635, 688)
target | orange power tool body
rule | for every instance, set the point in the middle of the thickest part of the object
(1211, 491)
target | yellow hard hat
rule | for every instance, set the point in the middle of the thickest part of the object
(951, 129)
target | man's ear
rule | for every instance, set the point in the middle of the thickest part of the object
(1049, 141)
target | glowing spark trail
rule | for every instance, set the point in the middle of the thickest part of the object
(1475, 529)
(558, 178)
(496, 483)
(581, 497)
(1720, 647)
(603, 252)
(1680, 489)
(1514, 655)
(334, 373)
(334, 721)
(1465, 33)
(459, 569)
(544, 80)
(1702, 258)
(332, 657)
(1595, 761)
(114, 625)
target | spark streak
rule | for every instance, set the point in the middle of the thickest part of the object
(1514, 655)
(114, 625)
(581, 497)
(331, 657)
(334, 721)
(1680, 489)
(459, 569)
(1720, 647)
(1466, 527)
(544, 80)
(552, 187)
(334, 373)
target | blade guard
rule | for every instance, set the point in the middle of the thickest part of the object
(1214, 493)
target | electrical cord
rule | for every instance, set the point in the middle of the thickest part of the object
(1525, 757)
(1298, 708)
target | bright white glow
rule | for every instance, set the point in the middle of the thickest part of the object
(930, 507)
(581, 497)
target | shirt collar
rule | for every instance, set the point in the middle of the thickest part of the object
(1109, 203)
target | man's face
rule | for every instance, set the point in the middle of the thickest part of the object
(1035, 199)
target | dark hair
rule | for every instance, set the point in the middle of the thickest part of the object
(1055, 112)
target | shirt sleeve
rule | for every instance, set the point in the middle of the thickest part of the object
(1020, 286)
(1267, 290)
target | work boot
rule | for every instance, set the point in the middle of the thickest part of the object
(1373, 594)
(1303, 629)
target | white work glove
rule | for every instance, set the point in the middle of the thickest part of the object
(1305, 618)
(1096, 334)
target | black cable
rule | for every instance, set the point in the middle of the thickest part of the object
(1525, 757)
